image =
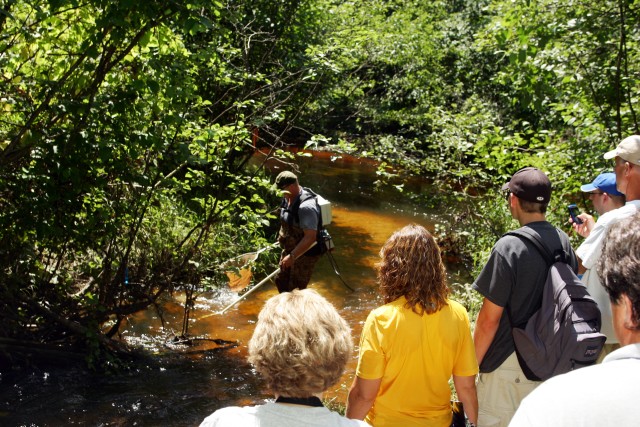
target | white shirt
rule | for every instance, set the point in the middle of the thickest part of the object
(278, 415)
(604, 395)
(589, 252)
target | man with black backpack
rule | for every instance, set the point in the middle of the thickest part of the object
(604, 394)
(512, 284)
(300, 220)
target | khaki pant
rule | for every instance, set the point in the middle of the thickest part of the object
(500, 393)
(608, 348)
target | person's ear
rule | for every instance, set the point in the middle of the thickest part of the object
(628, 317)
(628, 168)
(514, 201)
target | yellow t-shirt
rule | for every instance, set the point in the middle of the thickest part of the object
(415, 356)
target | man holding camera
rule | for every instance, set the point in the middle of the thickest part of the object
(627, 179)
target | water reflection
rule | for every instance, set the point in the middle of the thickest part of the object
(182, 390)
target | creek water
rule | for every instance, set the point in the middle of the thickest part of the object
(184, 386)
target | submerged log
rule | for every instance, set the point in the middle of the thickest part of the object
(21, 351)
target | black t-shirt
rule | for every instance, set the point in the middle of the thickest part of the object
(513, 278)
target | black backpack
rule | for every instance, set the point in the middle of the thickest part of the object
(564, 333)
(324, 242)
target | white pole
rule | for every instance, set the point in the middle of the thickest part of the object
(262, 282)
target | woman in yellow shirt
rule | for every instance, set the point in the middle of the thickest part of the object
(411, 346)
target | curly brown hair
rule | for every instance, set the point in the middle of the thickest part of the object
(411, 266)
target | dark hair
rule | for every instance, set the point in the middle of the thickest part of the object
(533, 207)
(618, 200)
(619, 264)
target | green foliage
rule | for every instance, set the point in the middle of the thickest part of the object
(383, 67)
(128, 129)
(469, 92)
(125, 142)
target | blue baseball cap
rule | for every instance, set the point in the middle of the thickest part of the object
(605, 182)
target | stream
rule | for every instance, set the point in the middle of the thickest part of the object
(182, 388)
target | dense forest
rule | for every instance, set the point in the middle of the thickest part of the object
(127, 130)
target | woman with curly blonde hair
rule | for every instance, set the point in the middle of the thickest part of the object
(300, 346)
(412, 345)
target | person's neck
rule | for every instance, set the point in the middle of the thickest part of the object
(627, 336)
(610, 207)
(295, 192)
(632, 193)
(528, 217)
(314, 400)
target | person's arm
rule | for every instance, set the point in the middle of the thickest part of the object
(307, 240)
(361, 397)
(486, 327)
(581, 268)
(466, 390)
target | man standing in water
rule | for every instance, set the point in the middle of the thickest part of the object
(511, 283)
(299, 221)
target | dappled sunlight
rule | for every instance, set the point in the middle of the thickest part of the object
(210, 363)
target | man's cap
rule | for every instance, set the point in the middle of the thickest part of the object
(530, 184)
(285, 178)
(628, 149)
(605, 182)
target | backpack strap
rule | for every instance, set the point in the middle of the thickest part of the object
(527, 233)
(293, 212)
(537, 241)
(314, 196)
(543, 249)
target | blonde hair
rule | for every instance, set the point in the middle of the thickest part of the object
(301, 344)
(411, 266)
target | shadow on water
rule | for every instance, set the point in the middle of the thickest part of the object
(170, 393)
(180, 390)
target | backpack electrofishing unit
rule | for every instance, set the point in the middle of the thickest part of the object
(323, 238)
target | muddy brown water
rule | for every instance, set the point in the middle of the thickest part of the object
(182, 389)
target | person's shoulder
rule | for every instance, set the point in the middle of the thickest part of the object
(342, 421)
(611, 217)
(605, 219)
(627, 352)
(390, 307)
(389, 310)
(307, 199)
(457, 311)
(509, 243)
(630, 208)
(456, 307)
(223, 416)
(508, 239)
(356, 423)
(307, 194)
